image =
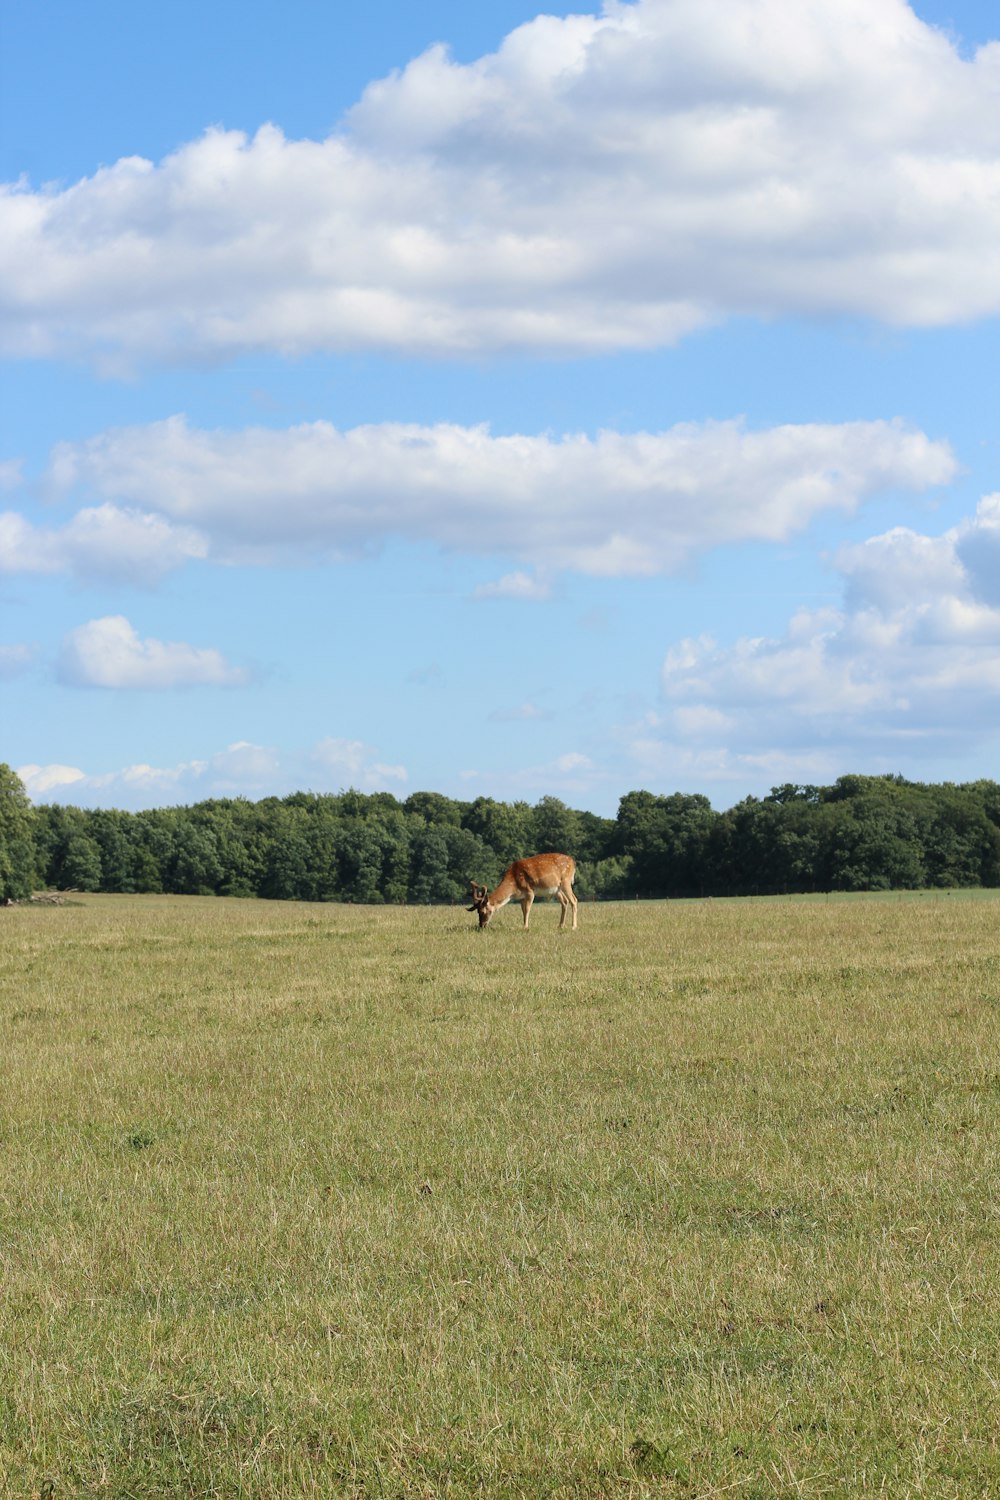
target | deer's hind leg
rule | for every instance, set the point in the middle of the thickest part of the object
(567, 898)
(526, 905)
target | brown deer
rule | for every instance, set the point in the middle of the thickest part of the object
(541, 875)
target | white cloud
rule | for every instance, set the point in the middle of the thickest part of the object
(612, 505)
(105, 542)
(242, 766)
(701, 722)
(519, 585)
(241, 769)
(140, 785)
(573, 761)
(109, 653)
(978, 548)
(377, 774)
(339, 757)
(348, 763)
(911, 662)
(600, 182)
(38, 780)
(669, 763)
(569, 775)
(889, 571)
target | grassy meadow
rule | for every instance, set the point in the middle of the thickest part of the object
(700, 1200)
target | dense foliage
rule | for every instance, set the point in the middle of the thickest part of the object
(17, 847)
(862, 833)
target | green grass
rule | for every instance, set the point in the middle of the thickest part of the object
(700, 1200)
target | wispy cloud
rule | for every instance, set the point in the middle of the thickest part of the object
(11, 474)
(350, 763)
(569, 774)
(573, 761)
(524, 712)
(241, 769)
(429, 676)
(15, 659)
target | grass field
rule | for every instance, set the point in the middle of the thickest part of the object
(700, 1200)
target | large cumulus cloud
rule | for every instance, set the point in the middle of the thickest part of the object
(600, 182)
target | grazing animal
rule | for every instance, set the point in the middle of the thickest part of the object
(541, 875)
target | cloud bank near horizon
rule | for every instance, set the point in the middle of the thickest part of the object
(909, 663)
(242, 769)
(600, 182)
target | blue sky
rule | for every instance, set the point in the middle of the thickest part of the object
(498, 403)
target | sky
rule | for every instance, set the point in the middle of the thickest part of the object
(497, 402)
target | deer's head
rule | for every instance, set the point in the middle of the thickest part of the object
(481, 903)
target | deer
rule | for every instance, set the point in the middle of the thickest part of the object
(541, 875)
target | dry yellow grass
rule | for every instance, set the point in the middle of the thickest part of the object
(702, 1199)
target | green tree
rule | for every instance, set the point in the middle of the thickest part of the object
(238, 827)
(395, 838)
(361, 862)
(507, 827)
(81, 864)
(435, 808)
(770, 847)
(595, 837)
(112, 832)
(961, 845)
(196, 868)
(555, 827)
(153, 838)
(323, 853)
(54, 827)
(469, 858)
(146, 877)
(430, 881)
(668, 841)
(609, 879)
(17, 838)
(874, 844)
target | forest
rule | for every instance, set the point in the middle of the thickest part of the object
(862, 833)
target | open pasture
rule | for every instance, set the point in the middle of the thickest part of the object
(700, 1200)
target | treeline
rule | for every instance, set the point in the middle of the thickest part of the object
(862, 833)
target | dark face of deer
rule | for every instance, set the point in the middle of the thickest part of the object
(480, 903)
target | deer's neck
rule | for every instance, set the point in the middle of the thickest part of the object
(504, 891)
